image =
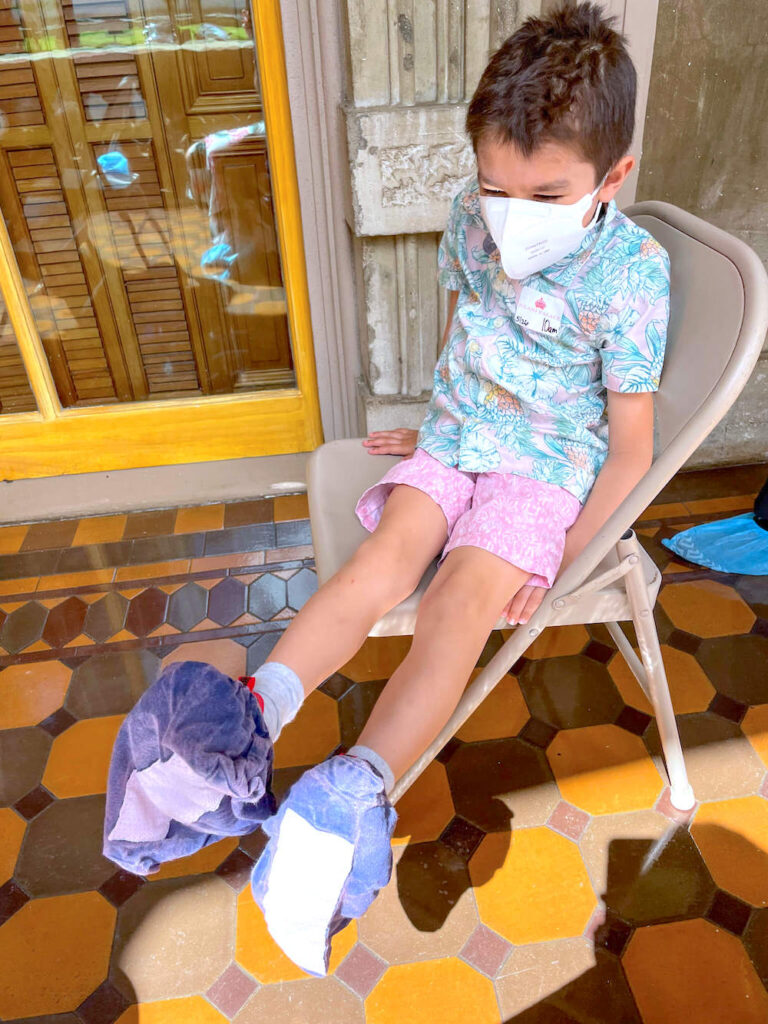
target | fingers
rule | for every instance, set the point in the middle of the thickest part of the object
(524, 604)
(391, 442)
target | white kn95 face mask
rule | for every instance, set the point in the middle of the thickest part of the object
(533, 235)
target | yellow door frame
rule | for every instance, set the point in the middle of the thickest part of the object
(55, 441)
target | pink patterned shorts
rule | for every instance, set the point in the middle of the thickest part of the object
(519, 519)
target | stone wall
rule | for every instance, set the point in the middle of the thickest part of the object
(706, 150)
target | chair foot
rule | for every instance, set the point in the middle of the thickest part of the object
(682, 798)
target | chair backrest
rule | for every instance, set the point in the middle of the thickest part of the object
(718, 323)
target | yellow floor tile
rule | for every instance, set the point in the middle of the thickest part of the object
(448, 991)
(31, 692)
(99, 530)
(734, 503)
(426, 808)
(377, 658)
(70, 580)
(531, 885)
(502, 713)
(259, 954)
(12, 827)
(312, 735)
(236, 561)
(733, 838)
(153, 570)
(671, 510)
(559, 641)
(706, 608)
(207, 859)
(604, 770)
(27, 585)
(690, 688)
(291, 506)
(191, 1010)
(79, 758)
(755, 726)
(695, 971)
(200, 519)
(53, 953)
(11, 539)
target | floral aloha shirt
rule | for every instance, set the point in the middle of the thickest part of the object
(511, 399)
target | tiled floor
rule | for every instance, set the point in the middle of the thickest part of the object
(541, 875)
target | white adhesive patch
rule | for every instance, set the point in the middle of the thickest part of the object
(305, 881)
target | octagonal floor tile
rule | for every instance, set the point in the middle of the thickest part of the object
(427, 909)
(192, 1010)
(499, 782)
(606, 829)
(426, 808)
(688, 683)
(226, 655)
(260, 955)
(669, 984)
(446, 990)
(377, 658)
(23, 753)
(53, 953)
(604, 770)
(174, 938)
(531, 973)
(312, 735)
(312, 1001)
(706, 608)
(207, 859)
(534, 889)
(110, 684)
(12, 828)
(755, 726)
(502, 713)
(558, 641)
(31, 692)
(733, 838)
(570, 692)
(719, 656)
(62, 852)
(79, 760)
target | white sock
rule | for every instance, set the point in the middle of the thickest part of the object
(378, 762)
(281, 694)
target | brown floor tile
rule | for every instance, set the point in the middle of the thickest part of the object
(570, 692)
(174, 938)
(361, 970)
(23, 753)
(708, 483)
(733, 838)
(227, 655)
(110, 684)
(756, 943)
(737, 666)
(485, 951)
(44, 536)
(531, 973)
(717, 984)
(150, 524)
(11, 539)
(229, 992)
(23, 627)
(99, 530)
(146, 611)
(205, 860)
(62, 853)
(605, 829)
(247, 513)
(502, 784)
(65, 622)
(236, 561)
(199, 519)
(303, 1002)
(426, 808)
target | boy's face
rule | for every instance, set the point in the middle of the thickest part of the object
(553, 173)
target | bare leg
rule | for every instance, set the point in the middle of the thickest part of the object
(455, 618)
(386, 568)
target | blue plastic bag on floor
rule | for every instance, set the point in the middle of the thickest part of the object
(735, 545)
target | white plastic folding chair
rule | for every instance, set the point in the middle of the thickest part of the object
(719, 318)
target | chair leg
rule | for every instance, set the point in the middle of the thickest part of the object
(681, 793)
(472, 698)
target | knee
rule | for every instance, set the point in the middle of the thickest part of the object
(455, 596)
(395, 569)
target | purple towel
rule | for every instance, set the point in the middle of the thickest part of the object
(192, 762)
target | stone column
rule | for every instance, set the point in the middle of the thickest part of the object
(412, 66)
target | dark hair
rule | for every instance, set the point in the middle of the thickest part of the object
(564, 77)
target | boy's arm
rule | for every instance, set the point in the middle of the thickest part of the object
(630, 453)
(402, 441)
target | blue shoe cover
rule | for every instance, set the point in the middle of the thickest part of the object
(734, 545)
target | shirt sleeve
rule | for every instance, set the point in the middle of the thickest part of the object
(635, 327)
(450, 272)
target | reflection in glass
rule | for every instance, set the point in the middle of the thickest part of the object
(137, 195)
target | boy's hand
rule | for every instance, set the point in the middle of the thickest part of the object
(524, 604)
(392, 442)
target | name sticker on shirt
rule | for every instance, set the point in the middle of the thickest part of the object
(539, 312)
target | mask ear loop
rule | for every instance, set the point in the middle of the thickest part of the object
(599, 207)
